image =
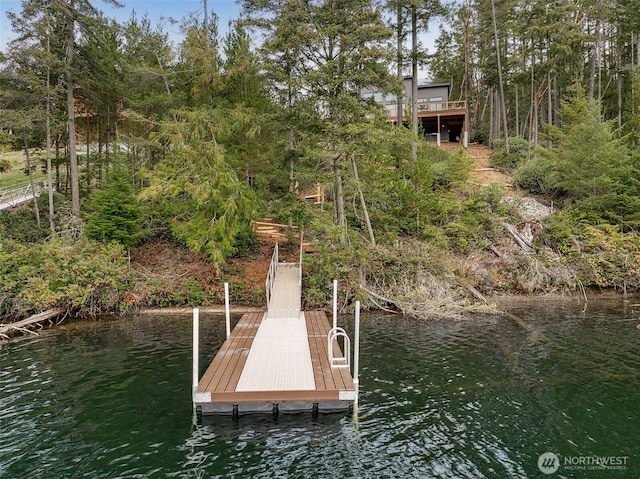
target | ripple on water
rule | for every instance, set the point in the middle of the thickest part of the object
(475, 398)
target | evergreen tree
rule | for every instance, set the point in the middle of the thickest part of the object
(198, 193)
(113, 212)
(319, 55)
(591, 170)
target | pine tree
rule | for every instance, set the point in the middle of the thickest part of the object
(113, 212)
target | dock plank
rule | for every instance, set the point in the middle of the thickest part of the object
(241, 338)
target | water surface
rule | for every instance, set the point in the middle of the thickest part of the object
(476, 398)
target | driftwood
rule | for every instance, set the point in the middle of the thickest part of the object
(24, 325)
(477, 294)
(374, 297)
(523, 242)
(495, 251)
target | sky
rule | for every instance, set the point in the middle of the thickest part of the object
(155, 10)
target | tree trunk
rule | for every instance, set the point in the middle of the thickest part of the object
(533, 119)
(340, 215)
(414, 85)
(594, 61)
(33, 187)
(503, 106)
(399, 61)
(619, 77)
(71, 119)
(490, 96)
(52, 227)
(291, 146)
(517, 111)
(58, 163)
(87, 149)
(365, 211)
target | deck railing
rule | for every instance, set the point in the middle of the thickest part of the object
(427, 106)
(271, 275)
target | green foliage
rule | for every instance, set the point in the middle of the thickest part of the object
(519, 150)
(290, 209)
(20, 224)
(603, 255)
(113, 212)
(208, 206)
(533, 176)
(450, 170)
(589, 169)
(186, 292)
(492, 194)
(85, 275)
(587, 160)
(560, 232)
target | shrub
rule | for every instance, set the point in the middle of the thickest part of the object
(533, 176)
(518, 153)
(114, 213)
(83, 275)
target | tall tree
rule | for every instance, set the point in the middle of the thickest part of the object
(320, 54)
(589, 165)
(503, 106)
(68, 20)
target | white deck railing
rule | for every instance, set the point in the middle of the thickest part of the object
(271, 275)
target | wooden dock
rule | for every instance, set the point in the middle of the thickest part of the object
(278, 360)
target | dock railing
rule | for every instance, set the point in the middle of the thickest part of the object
(271, 275)
(300, 260)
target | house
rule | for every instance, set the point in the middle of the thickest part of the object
(441, 120)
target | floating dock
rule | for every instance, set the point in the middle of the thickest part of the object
(280, 360)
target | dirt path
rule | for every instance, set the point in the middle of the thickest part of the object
(483, 173)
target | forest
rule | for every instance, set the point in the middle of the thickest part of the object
(143, 140)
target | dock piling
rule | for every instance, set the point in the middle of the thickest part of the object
(196, 351)
(226, 309)
(356, 353)
(335, 303)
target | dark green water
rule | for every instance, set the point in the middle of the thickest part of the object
(464, 399)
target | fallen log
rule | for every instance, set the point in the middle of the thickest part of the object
(473, 291)
(522, 241)
(23, 325)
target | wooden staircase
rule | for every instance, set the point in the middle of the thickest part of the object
(483, 172)
(271, 232)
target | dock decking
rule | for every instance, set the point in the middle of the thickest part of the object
(277, 361)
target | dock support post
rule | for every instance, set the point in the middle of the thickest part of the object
(226, 309)
(356, 353)
(335, 303)
(196, 351)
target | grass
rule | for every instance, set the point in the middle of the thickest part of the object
(16, 175)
